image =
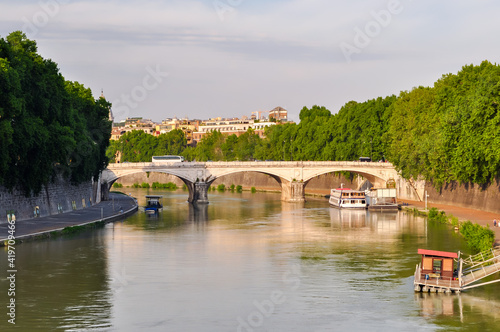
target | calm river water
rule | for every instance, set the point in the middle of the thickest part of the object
(245, 262)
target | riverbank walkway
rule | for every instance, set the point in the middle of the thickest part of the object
(482, 218)
(117, 207)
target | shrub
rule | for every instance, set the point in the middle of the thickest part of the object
(136, 185)
(145, 185)
(169, 186)
(239, 188)
(221, 187)
(232, 187)
(478, 238)
(253, 190)
(117, 185)
(437, 216)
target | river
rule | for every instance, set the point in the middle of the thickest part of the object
(245, 262)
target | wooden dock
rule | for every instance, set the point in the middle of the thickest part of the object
(469, 271)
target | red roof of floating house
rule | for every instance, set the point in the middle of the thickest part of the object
(437, 253)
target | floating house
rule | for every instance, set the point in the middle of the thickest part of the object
(441, 271)
(382, 199)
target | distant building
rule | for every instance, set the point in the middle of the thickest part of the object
(279, 114)
(194, 130)
(230, 127)
(116, 133)
(130, 124)
(187, 126)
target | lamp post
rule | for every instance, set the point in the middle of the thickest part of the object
(283, 150)
(371, 148)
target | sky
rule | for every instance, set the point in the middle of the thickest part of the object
(202, 59)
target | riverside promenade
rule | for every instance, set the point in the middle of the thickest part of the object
(480, 217)
(117, 207)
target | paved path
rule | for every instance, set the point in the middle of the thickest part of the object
(482, 218)
(118, 205)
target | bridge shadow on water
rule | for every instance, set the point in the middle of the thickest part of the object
(198, 213)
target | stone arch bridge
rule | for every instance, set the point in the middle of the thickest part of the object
(292, 176)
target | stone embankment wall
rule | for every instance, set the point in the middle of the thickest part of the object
(465, 195)
(473, 196)
(57, 197)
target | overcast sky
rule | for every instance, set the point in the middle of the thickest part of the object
(208, 58)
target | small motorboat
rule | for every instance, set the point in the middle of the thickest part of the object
(153, 204)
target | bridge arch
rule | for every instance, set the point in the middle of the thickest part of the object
(111, 178)
(375, 178)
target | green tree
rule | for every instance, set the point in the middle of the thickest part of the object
(210, 147)
(46, 123)
(230, 147)
(245, 147)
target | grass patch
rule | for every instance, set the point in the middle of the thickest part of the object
(79, 228)
(438, 216)
(168, 186)
(478, 238)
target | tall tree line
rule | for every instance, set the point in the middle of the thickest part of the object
(47, 125)
(448, 132)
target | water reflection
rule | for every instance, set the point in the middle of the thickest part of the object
(437, 304)
(198, 213)
(344, 218)
(392, 224)
(465, 307)
(62, 283)
(201, 268)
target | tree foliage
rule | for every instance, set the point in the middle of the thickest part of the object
(138, 146)
(46, 123)
(448, 132)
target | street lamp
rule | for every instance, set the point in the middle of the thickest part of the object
(283, 150)
(426, 200)
(371, 148)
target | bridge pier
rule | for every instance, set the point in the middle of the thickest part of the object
(104, 191)
(198, 192)
(293, 191)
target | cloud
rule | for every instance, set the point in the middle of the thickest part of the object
(262, 54)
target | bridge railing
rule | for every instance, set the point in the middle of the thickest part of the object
(251, 164)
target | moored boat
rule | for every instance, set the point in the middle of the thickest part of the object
(153, 204)
(346, 198)
(382, 199)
